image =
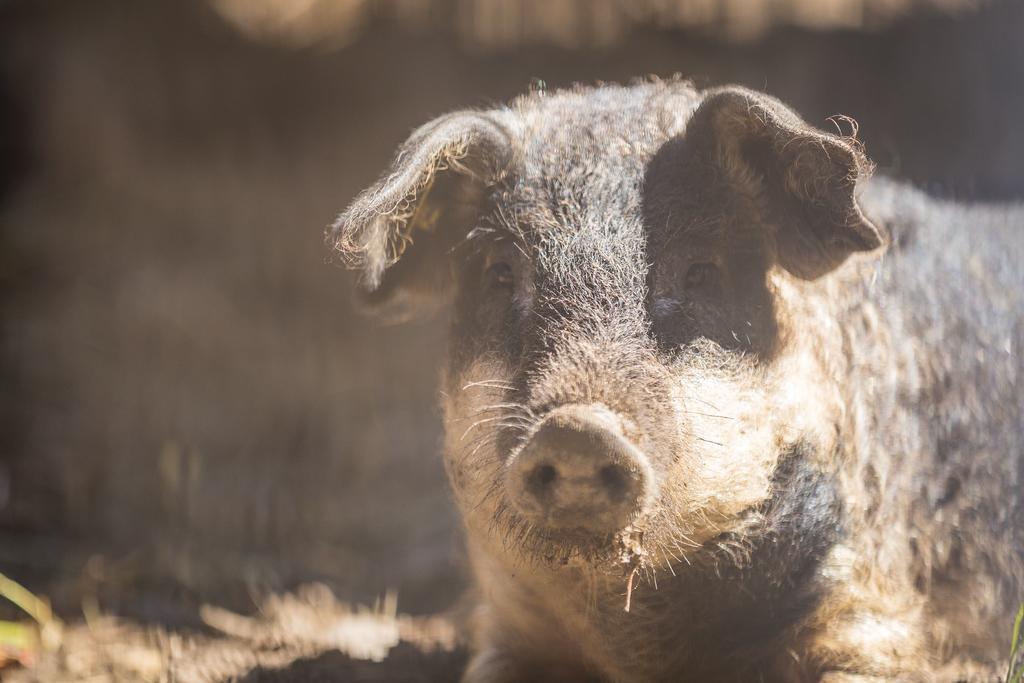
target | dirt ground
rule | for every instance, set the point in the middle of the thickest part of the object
(119, 627)
(297, 640)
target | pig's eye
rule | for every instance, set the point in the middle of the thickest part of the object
(703, 276)
(498, 275)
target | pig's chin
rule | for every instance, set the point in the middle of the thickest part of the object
(564, 547)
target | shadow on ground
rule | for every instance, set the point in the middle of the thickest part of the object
(406, 663)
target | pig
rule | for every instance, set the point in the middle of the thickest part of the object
(719, 406)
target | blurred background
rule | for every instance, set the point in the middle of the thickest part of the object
(190, 411)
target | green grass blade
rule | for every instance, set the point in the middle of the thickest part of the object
(35, 607)
(1015, 674)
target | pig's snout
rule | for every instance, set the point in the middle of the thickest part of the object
(578, 472)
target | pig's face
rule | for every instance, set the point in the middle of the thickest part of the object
(621, 384)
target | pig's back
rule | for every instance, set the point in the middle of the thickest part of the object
(950, 292)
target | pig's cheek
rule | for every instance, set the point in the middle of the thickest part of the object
(472, 484)
(807, 405)
(468, 391)
(471, 457)
(458, 478)
(728, 449)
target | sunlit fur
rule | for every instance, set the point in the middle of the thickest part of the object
(837, 451)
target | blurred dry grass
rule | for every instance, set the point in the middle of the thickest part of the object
(281, 642)
(192, 414)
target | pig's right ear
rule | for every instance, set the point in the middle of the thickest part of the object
(399, 231)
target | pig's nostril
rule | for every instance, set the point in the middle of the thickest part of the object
(546, 474)
(615, 481)
(541, 478)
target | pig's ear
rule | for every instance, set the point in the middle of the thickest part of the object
(399, 231)
(805, 181)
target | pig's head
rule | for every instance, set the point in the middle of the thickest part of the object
(627, 366)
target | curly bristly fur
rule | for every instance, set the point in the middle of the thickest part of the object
(833, 423)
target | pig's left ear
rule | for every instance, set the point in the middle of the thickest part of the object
(804, 180)
(399, 231)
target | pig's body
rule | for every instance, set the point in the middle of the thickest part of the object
(918, 528)
(692, 376)
(935, 479)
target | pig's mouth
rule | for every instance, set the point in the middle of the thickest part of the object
(564, 546)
